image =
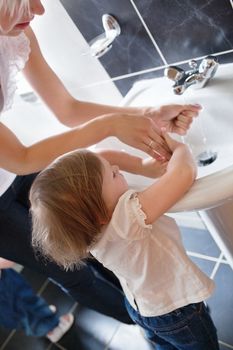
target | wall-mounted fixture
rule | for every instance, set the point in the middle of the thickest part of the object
(197, 76)
(103, 42)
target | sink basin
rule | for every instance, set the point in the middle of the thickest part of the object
(212, 130)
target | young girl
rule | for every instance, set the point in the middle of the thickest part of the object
(89, 123)
(81, 204)
(21, 308)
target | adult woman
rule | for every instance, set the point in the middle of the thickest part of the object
(92, 285)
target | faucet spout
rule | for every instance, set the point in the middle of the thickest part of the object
(197, 77)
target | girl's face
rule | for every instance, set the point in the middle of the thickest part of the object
(20, 20)
(114, 184)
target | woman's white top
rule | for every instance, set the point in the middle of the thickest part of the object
(150, 261)
(14, 52)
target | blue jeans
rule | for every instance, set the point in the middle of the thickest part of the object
(187, 328)
(21, 308)
(92, 286)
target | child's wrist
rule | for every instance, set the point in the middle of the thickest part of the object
(138, 166)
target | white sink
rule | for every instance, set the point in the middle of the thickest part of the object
(214, 183)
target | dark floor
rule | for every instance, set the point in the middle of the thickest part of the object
(93, 331)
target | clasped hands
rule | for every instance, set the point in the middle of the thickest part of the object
(145, 131)
(171, 118)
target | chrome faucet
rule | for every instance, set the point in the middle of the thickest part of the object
(198, 77)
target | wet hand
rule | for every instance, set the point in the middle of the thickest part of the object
(141, 132)
(174, 117)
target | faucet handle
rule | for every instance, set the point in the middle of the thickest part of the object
(208, 66)
(193, 64)
(174, 73)
(103, 42)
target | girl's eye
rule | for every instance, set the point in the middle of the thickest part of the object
(114, 174)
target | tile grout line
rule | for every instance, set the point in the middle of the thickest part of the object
(189, 222)
(149, 33)
(125, 76)
(40, 291)
(172, 64)
(109, 342)
(207, 257)
(7, 339)
(216, 266)
(73, 307)
(71, 310)
(57, 345)
(43, 287)
(225, 344)
(149, 70)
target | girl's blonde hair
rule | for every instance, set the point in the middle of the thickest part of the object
(67, 208)
(11, 6)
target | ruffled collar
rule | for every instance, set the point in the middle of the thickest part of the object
(14, 53)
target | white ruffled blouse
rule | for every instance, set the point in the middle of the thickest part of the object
(155, 272)
(14, 53)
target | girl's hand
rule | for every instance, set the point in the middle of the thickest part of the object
(153, 168)
(180, 154)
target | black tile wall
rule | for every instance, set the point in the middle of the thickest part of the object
(180, 30)
(132, 50)
(189, 28)
(124, 84)
(226, 58)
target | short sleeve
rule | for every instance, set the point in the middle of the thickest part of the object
(129, 219)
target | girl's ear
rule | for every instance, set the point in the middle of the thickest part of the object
(103, 222)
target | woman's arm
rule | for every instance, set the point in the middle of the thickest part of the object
(46, 83)
(133, 129)
(138, 132)
(19, 159)
(169, 188)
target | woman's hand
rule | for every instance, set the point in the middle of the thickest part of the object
(140, 132)
(175, 118)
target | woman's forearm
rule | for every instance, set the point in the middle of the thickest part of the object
(51, 89)
(82, 136)
(81, 112)
(37, 156)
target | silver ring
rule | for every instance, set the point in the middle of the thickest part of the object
(150, 144)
